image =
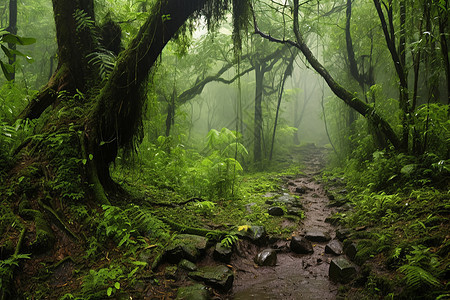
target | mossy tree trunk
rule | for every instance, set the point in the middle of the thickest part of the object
(114, 120)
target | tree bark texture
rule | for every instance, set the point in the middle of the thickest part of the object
(12, 28)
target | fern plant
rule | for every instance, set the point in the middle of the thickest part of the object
(83, 20)
(146, 223)
(6, 271)
(421, 268)
(104, 60)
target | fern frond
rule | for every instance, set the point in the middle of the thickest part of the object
(104, 60)
(417, 277)
(146, 223)
(83, 21)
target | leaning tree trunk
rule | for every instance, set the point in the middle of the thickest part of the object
(350, 99)
(115, 121)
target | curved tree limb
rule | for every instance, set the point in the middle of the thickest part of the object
(345, 95)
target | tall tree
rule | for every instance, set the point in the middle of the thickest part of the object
(12, 28)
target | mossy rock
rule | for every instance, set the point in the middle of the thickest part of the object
(188, 246)
(45, 238)
(218, 277)
(193, 292)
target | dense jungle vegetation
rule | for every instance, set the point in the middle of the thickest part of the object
(126, 123)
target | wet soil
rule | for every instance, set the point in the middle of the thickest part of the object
(295, 276)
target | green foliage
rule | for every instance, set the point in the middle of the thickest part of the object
(190, 174)
(146, 223)
(63, 151)
(11, 137)
(432, 129)
(125, 226)
(104, 60)
(229, 240)
(421, 266)
(83, 20)
(8, 38)
(116, 224)
(102, 284)
(7, 272)
(204, 207)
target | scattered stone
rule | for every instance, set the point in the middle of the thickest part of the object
(342, 234)
(296, 203)
(300, 190)
(341, 270)
(281, 246)
(285, 199)
(218, 277)
(187, 265)
(344, 191)
(294, 211)
(222, 253)
(190, 247)
(317, 236)
(249, 206)
(193, 292)
(334, 219)
(267, 257)
(350, 250)
(300, 245)
(256, 234)
(275, 211)
(334, 247)
(329, 195)
(171, 272)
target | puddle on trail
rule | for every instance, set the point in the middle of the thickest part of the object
(295, 276)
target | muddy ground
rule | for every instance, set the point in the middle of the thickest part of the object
(295, 276)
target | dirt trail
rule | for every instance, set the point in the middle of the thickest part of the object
(295, 276)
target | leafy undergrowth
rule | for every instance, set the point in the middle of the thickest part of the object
(401, 229)
(111, 251)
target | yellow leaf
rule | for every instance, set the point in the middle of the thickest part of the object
(243, 227)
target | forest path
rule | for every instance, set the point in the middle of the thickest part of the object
(295, 276)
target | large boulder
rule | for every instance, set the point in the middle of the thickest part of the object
(218, 277)
(190, 247)
(267, 257)
(341, 270)
(300, 245)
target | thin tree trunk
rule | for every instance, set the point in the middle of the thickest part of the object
(443, 32)
(398, 58)
(12, 28)
(286, 74)
(257, 130)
